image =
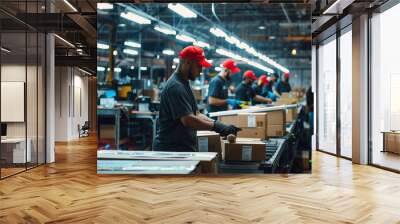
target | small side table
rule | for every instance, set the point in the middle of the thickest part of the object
(391, 141)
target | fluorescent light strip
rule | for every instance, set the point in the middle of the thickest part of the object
(168, 52)
(143, 68)
(331, 7)
(201, 44)
(185, 38)
(130, 51)
(64, 40)
(182, 10)
(100, 69)
(135, 18)
(233, 40)
(70, 5)
(84, 71)
(103, 46)
(224, 52)
(218, 32)
(132, 44)
(104, 6)
(5, 50)
(165, 30)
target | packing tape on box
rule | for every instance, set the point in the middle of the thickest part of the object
(251, 121)
(246, 152)
(203, 144)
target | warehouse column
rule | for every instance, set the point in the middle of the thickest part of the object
(50, 92)
(360, 90)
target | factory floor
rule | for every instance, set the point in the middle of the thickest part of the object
(70, 191)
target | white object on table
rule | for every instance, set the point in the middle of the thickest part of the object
(19, 155)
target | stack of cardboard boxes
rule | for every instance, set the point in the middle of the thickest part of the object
(286, 99)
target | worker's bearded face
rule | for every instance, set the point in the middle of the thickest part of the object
(194, 70)
(228, 75)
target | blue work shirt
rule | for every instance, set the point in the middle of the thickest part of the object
(218, 88)
(244, 92)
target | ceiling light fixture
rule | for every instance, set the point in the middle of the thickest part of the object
(101, 69)
(201, 44)
(5, 50)
(130, 51)
(103, 46)
(65, 41)
(165, 30)
(135, 18)
(185, 38)
(70, 5)
(132, 44)
(84, 71)
(104, 6)
(168, 52)
(182, 10)
(218, 32)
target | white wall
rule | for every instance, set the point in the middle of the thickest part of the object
(71, 102)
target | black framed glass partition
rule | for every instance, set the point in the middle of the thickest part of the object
(334, 93)
(326, 95)
(385, 88)
(345, 97)
(22, 76)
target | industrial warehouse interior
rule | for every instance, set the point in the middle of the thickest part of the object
(230, 112)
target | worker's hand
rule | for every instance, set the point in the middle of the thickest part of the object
(233, 103)
(225, 130)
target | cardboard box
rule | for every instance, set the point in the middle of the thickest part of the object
(152, 93)
(231, 119)
(276, 117)
(252, 120)
(291, 115)
(209, 141)
(198, 94)
(107, 131)
(285, 101)
(276, 130)
(392, 142)
(252, 133)
(254, 150)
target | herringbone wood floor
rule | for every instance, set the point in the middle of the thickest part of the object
(69, 191)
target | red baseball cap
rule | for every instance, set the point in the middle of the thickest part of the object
(250, 74)
(286, 75)
(264, 79)
(196, 54)
(231, 65)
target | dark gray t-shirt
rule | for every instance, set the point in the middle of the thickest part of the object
(217, 88)
(177, 100)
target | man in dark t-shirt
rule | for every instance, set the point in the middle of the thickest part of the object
(245, 92)
(179, 117)
(218, 88)
(283, 85)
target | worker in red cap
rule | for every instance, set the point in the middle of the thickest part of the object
(245, 92)
(261, 83)
(283, 86)
(179, 117)
(218, 88)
